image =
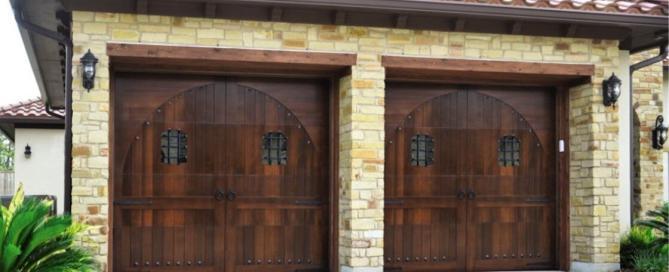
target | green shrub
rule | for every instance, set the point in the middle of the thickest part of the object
(31, 240)
(646, 247)
(637, 240)
(658, 221)
(651, 261)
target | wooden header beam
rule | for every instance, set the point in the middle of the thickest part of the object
(486, 71)
(206, 60)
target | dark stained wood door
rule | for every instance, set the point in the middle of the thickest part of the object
(231, 205)
(468, 208)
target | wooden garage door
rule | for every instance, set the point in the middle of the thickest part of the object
(470, 178)
(220, 174)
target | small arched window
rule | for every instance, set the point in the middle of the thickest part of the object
(173, 147)
(274, 149)
(422, 150)
(508, 151)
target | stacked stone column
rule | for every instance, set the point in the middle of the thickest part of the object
(361, 148)
(594, 177)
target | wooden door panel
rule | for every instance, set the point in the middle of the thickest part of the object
(497, 212)
(424, 236)
(166, 214)
(424, 217)
(279, 220)
(517, 235)
(171, 213)
(511, 220)
(277, 237)
(160, 239)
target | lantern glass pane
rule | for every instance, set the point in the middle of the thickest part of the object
(89, 71)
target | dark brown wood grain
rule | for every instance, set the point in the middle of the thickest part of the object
(218, 61)
(466, 212)
(562, 186)
(166, 217)
(485, 71)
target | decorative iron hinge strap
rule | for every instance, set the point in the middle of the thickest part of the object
(393, 202)
(538, 200)
(308, 202)
(132, 202)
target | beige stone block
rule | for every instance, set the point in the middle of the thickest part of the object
(106, 17)
(153, 37)
(514, 55)
(83, 16)
(472, 53)
(95, 28)
(492, 54)
(81, 191)
(475, 44)
(533, 56)
(128, 18)
(125, 35)
(183, 31)
(210, 34)
(181, 39)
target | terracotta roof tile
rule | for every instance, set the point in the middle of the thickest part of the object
(646, 7)
(31, 108)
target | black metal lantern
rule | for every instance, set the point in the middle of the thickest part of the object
(611, 90)
(88, 62)
(27, 152)
(659, 133)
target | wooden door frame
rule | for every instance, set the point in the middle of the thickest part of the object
(511, 73)
(226, 62)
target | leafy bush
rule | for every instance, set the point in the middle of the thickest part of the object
(645, 247)
(31, 240)
(651, 261)
(637, 240)
(659, 222)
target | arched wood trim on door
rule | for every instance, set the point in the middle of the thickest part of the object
(171, 100)
(417, 109)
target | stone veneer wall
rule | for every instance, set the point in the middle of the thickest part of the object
(648, 98)
(594, 176)
(361, 148)
(593, 128)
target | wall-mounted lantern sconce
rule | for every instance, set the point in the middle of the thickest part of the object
(27, 152)
(611, 90)
(659, 133)
(88, 62)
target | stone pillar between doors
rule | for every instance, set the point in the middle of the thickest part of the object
(361, 162)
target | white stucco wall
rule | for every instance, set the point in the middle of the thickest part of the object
(42, 173)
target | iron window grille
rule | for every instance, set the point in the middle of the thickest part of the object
(508, 151)
(173, 147)
(422, 150)
(274, 148)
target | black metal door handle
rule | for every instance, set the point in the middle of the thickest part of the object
(219, 195)
(471, 195)
(461, 195)
(231, 195)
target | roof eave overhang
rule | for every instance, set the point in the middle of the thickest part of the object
(32, 58)
(474, 9)
(44, 53)
(31, 120)
(8, 124)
